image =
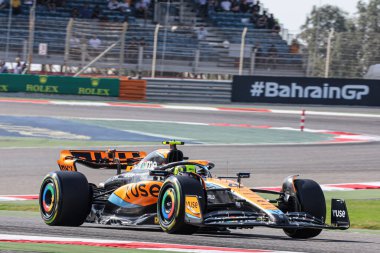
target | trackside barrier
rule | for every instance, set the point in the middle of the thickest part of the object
(180, 90)
(60, 85)
(132, 89)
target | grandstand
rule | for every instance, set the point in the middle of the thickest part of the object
(178, 49)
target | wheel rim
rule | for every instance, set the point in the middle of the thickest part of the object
(168, 205)
(48, 199)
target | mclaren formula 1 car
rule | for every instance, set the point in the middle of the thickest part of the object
(180, 195)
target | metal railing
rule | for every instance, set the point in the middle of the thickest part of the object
(64, 46)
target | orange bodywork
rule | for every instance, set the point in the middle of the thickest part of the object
(143, 193)
(98, 159)
(244, 193)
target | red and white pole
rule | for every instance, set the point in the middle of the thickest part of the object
(302, 124)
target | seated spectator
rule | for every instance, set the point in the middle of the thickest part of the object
(94, 44)
(16, 7)
(254, 17)
(113, 5)
(271, 22)
(142, 8)
(85, 11)
(96, 12)
(276, 28)
(3, 4)
(235, 6)
(244, 6)
(225, 5)
(202, 8)
(201, 33)
(256, 7)
(259, 56)
(262, 21)
(294, 47)
(3, 68)
(19, 66)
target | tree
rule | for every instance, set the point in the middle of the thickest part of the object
(368, 24)
(315, 33)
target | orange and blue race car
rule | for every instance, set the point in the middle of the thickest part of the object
(180, 195)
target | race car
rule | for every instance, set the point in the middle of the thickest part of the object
(180, 195)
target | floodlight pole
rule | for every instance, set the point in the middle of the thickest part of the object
(154, 57)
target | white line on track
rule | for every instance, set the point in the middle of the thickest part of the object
(129, 244)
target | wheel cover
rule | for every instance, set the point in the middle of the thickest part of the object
(49, 199)
(168, 205)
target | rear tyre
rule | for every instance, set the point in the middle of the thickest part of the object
(64, 198)
(312, 201)
(171, 203)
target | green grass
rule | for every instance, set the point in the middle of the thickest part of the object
(56, 248)
(27, 205)
(19, 142)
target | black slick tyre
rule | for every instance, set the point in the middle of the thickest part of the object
(171, 203)
(312, 201)
(64, 198)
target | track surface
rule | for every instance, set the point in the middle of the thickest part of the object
(268, 165)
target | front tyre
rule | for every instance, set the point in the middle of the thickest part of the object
(171, 203)
(312, 201)
(64, 198)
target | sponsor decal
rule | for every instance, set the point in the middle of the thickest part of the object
(43, 79)
(325, 91)
(339, 213)
(148, 165)
(93, 91)
(94, 82)
(41, 88)
(142, 190)
(192, 206)
(3, 88)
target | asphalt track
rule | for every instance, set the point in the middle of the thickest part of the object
(22, 170)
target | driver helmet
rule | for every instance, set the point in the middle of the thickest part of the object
(184, 168)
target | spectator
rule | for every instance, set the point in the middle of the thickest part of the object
(262, 21)
(294, 47)
(96, 12)
(142, 8)
(254, 17)
(113, 5)
(201, 33)
(259, 56)
(272, 56)
(19, 66)
(85, 11)
(202, 8)
(94, 44)
(16, 7)
(225, 5)
(60, 3)
(235, 6)
(271, 22)
(276, 29)
(3, 68)
(244, 6)
(256, 7)
(3, 4)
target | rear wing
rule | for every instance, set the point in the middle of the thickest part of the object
(97, 159)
